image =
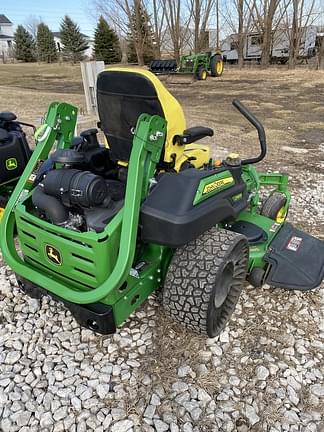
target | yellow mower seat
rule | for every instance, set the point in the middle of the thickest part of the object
(125, 93)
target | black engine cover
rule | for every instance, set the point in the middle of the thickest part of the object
(14, 155)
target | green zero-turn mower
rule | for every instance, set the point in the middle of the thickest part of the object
(199, 65)
(14, 154)
(101, 228)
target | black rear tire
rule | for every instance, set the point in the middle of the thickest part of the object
(201, 73)
(273, 205)
(205, 279)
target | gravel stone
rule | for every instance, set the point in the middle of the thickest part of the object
(21, 418)
(60, 414)
(262, 373)
(13, 357)
(251, 415)
(317, 390)
(160, 426)
(149, 411)
(122, 426)
(118, 413)
(46, 420)
(102, 390)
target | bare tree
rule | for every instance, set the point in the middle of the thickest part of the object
(267, 17)
(320, 57)
(237, 15)
(301, 17)
(177, 24)
(200, 10)
(264, 13)
(158, 20)
(32, 23)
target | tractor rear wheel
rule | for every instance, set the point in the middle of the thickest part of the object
(274, 207)
(201, 73)
(205, 279)
(216, 66)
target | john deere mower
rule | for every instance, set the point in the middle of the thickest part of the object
(14, 154)
(199, 65)
(101, 228)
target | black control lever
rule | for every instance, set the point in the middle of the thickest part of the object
(28, 125)
(259, 127)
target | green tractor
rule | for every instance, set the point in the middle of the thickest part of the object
(14, 154)
(102, 227)
(199, 65)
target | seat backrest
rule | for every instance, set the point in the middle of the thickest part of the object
(125, 93)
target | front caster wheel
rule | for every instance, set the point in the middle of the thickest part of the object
(274, 207)
(205, 279)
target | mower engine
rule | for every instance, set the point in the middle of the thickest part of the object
(73, 197)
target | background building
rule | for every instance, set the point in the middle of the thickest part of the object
(6, 37)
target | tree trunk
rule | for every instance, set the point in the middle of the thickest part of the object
(269, 13)
(157, 34)
(196, 25)
(138, 40)
(241, 35)
(294, 40)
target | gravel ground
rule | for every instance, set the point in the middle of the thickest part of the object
(263, 373)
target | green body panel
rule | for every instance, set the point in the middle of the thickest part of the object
(87, 258)
(136, 289)
(209, 186)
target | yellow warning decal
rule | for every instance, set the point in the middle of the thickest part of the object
(217, 184)
(1, 212)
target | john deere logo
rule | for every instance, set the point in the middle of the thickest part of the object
(53, 255)
(11, 164)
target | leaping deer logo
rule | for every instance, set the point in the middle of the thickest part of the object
(11, 164)
(53, 255)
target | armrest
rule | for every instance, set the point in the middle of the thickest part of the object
(193, 134)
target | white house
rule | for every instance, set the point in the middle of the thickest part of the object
(6, 36)
(88, 52)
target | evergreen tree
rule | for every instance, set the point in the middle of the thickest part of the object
(106, 43)
(46, 48)
(24, 45)
(144, 37)
(73, 42)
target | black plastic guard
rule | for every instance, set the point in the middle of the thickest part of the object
(297, 260)
(97, 317)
